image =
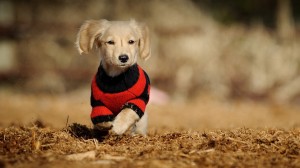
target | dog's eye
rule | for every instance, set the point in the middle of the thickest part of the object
(110, 42)
(131, 42)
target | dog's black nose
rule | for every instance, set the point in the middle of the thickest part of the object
(123, 58)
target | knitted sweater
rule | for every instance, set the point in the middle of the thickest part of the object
(109, 95)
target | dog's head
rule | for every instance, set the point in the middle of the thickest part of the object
(119, 42)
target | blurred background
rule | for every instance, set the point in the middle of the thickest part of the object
(226, 50)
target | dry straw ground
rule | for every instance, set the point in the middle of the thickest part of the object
(78, 146)
(203, 132)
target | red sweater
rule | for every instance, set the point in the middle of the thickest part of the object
(112, 94)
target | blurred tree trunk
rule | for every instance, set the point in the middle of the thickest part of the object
(285, 21)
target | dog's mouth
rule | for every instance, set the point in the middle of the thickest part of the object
(121, 65)
(124, 65)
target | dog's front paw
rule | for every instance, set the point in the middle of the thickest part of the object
(103, 126)
(124, 120)
(119, 128)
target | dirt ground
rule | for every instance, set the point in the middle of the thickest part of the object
(55, 131)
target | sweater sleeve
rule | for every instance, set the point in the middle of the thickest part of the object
(100, 113)
(139, 103)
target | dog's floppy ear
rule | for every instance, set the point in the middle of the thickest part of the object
(88, 33)
(144, 41)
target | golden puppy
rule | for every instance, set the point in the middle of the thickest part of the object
(120, 88)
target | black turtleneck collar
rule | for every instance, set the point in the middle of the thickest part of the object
(118, 83)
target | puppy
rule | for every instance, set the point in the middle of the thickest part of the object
(120, 88)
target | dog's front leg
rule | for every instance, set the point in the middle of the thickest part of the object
(124, 120)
